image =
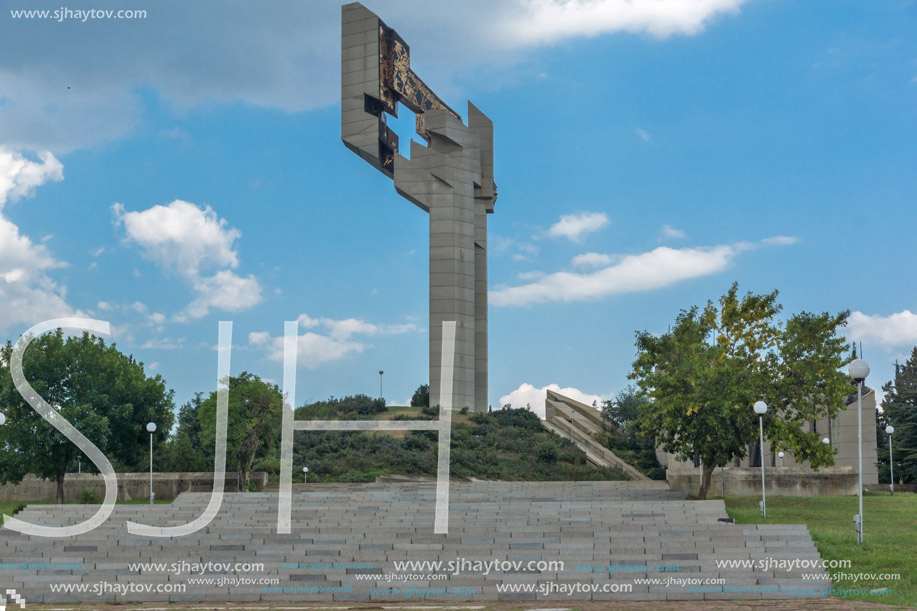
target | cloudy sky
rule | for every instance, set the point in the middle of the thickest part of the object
(171, 171)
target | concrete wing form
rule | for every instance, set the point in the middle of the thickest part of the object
(580, 424)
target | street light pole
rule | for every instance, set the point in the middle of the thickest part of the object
(891, 465)
(380, 383)
(305, 474)
(761, 409)
(780, 455)
(151, 428)
(858, 371)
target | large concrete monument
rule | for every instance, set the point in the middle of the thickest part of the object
(451, 179)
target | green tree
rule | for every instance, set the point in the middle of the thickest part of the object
(704, 375)
(899, 409)
(103, 393)
(182, 456)
(421, 397)
(185, 451)
(621, 416)
(624, 408)
(253, 424)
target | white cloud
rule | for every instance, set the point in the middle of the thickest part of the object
(643, 135)
(188, 241)
(157, 318)
(314, 349)
(94, 95)
(163, 344)
(621, 274)
(104, 306)
(338, 342)
(27, 293)
(574, 226)
(19, 177)
(880, 397)
(527, 394)
(780, 240)
(894, 330)
(549, 21)
(589, 260)
(259, 338)
(344, 329)
(630, 274)
(672, 233)
(224, 291)
(524, 250)
(182, 236)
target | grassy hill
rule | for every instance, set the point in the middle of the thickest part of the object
(506, 445)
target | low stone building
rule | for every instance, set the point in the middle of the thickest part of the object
(840, 430)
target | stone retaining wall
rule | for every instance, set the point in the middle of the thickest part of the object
(130, 486)
(784, 481)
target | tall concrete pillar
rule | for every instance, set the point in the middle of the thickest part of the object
(485, 196)
(451, 178)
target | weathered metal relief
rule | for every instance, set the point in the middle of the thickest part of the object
(398, 83)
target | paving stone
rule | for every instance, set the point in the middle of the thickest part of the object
(580, 523)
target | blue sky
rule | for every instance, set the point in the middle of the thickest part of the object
(169, 172)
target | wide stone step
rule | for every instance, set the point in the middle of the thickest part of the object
(605, 534)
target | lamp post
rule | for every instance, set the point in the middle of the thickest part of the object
(891, 465)
(858, 371)
(151, 428)
(305, 474)
(380, 383)
(723, 477)
(826, 441)
(79, 464)
(780, 456)
(761, 409)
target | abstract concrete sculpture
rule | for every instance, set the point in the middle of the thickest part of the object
(451, 178)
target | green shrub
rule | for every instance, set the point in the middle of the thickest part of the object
(269, 464)
(89, 497)
(421, 396)
(352, 407)
(510, 445)
(547, 451)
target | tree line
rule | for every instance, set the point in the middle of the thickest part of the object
(694, 388)
(696, 384)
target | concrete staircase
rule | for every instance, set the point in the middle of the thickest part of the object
(346, 539)
(580, 423)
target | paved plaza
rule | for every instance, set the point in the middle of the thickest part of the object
(561, 541)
